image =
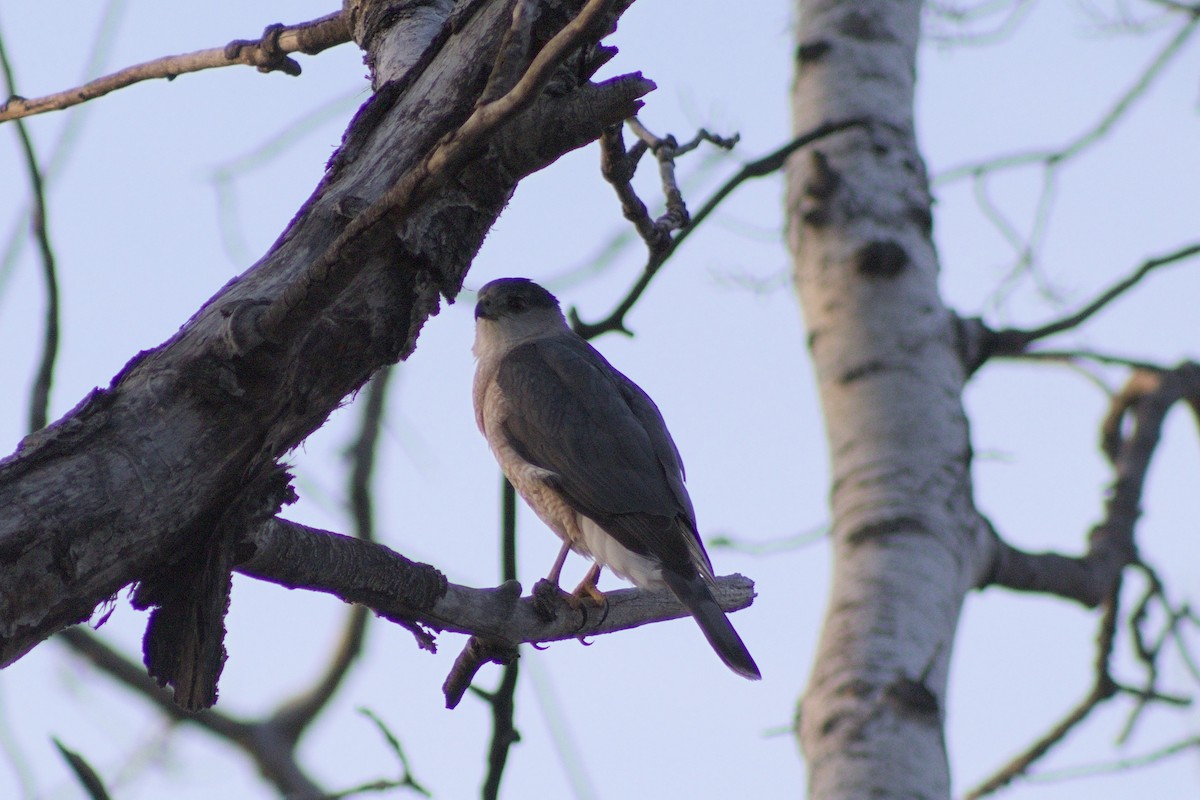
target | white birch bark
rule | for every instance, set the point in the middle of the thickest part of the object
(908, 544)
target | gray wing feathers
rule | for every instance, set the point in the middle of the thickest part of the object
(570, 412)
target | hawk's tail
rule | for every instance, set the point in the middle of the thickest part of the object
(694, 593)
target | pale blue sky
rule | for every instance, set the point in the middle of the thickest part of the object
(650, 712)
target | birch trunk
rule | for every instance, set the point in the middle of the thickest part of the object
(908, 543)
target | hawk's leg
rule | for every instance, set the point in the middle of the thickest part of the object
(546, 593)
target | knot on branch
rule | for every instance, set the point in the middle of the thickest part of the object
(265, 54)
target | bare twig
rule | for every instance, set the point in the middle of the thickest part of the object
(270, 748)
(1054, 157)
(1013, 14)
(1096, 577)
(1012, 341)
(267, 54)
(766, 165)
(503, 699)
(1118, 765)
(1102, 689)
(406, 779)
(980, 343)
(84, 772)
(1077, 356)
(1148, 652)
(66, 137)
(1051, 160)
(39, 400)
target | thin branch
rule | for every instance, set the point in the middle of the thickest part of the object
(1148, 652)
(68, 134)
(503, 699)
(1103, 688)
(766, 165)
(979, 343)
(270, 748)
(1054, 158)
(1014, 340)
(84, 772)
(267, 54)
(406, 779)
(1118, 765)
(1076, 356)
(1015, 12)
(39, 401)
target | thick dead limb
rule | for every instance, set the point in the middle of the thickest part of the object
(130, 485)
(268, 54)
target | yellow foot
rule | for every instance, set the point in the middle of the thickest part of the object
(587, 587)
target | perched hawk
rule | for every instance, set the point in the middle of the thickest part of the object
(590, 453)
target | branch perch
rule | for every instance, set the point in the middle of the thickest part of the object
(267, 54)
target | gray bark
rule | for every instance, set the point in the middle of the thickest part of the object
(908, 543)
(141, 479)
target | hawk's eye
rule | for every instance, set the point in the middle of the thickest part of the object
(516, 303)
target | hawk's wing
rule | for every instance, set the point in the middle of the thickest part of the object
(604, 440)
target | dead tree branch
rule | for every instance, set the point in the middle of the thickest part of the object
(420, 598)
(269, 53)
(1130, 434)
(659, 242)
(1087, 579)
(1103, 689)
(981, 343)
(217, 405)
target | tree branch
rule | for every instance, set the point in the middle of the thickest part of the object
(1103, 688)
(503, 698)
(267, 54)
(980, 343)
(1055, 157)
(218, 403)
(271, 748)
(660, 252)
(1088, 579)
(39, 401)
(420, 598)
(325, 279)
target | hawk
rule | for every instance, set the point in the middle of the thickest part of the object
(589, 452)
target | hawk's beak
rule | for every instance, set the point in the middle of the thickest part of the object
(483, 309)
